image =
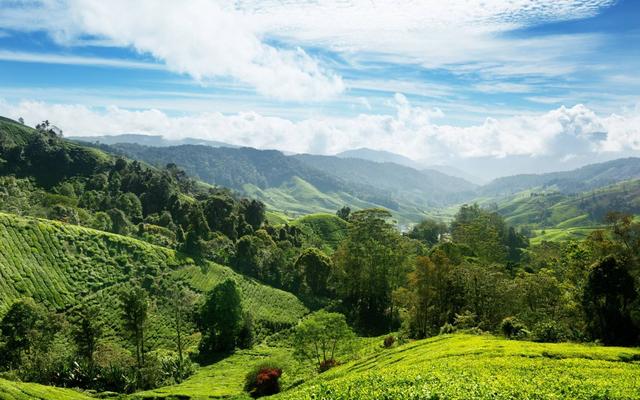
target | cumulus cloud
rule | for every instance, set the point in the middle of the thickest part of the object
(201, 38)
(409, 130)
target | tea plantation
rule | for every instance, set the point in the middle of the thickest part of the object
(481, 367)
(27, 391)
(61, 265)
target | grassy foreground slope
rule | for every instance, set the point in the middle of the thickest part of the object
(481, 367)
(27, 391)
(61, 265)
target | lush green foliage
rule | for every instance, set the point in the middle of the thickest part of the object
(220, 319)
(320, 337)
(370, 264)
(62, 267)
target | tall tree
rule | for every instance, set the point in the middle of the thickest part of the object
(315, 268)
(220, 319)
(19, 327)
(371, 263)
(135, 310)
(182, 300)
(88, 330)
(344, 213)
(428, 231)
(607, 301)
(437, 294)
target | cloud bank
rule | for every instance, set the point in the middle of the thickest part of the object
(407, 129)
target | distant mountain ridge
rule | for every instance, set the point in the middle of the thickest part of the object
(398, 179)
(380, 156)
(578, 180)
(148, 140)
(305, 183)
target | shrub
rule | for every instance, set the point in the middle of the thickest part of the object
(465, 320)
(389, 341)
(548, 332)
(447, 328)
(512, 328)
(263, 380)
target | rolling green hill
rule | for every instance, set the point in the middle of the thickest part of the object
(427, 188)
(575, 181)
(554, 215)
(62, 265)
(327, 230)
(298, 185)
(481, 367)
(458, 366)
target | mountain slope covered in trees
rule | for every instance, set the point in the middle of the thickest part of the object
(120, 275)
(303, 183)
(575, 181)
(62, 266)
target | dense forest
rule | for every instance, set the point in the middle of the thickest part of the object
(354, 274)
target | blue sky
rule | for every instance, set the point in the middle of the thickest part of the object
(432, 80)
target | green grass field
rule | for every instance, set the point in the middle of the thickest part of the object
(28, 391)
(481, 367)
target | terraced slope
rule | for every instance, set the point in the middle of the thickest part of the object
(329, 229)
(481, 367)
(61, 265)
(553, 215)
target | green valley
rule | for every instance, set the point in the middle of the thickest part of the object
(130, 279)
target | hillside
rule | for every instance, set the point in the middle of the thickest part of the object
(458, 366)
(578, 180)
(27, 153)
(553, 215)
(481, 367)
(424, 188)
(302, 184)
(379, 156)
(28, 391)
(62, 265)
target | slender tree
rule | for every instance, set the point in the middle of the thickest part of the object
(88, 330)
(182, 300)
(135, 309)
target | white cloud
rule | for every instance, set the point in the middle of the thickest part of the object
(6, 55)
(503, 87)
(201, 38)
(408, 130)
(234, 38)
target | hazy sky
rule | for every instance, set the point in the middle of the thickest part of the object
(439, 81)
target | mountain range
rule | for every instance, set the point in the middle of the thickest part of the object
(304, 183)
